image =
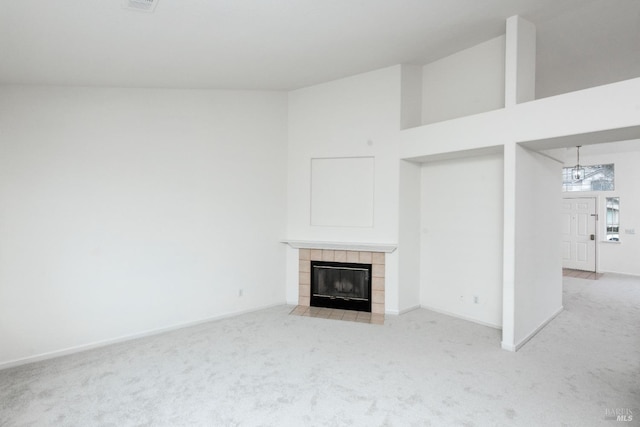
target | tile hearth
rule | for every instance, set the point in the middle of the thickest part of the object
(335, 314)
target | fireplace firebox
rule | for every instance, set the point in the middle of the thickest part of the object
(341, 285)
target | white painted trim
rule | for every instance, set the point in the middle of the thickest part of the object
(538, 329)
(458, 316)
(412, 308)
(104, 343)
(314, 244)
(612, 272)
(508, 347)
(401, 312)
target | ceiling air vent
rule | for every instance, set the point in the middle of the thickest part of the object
(140, 5)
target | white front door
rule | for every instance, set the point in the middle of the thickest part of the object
(579, 233)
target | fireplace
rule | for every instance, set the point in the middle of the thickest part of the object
(376, 261)
(341, 285)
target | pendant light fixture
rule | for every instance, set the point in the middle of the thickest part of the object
(577, 173)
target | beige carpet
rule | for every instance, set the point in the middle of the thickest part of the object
(271, 369)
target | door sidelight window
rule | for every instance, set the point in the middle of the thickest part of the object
(613, 219)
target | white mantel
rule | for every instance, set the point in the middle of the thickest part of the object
(346, 246)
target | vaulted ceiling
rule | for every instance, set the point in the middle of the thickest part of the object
(287, 44)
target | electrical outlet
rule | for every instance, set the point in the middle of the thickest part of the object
(461, 298)
(240, 292)
(476, 300)
(629, 231)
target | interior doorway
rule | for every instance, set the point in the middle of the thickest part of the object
(579, 233)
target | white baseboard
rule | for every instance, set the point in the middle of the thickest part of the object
(618, 273)
(103, 343)
(401, 312)
(508, 347)
(407, 310)
(535, 331)
(458, 316)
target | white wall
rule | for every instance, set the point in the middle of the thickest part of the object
(411, 96)
(520, 61)
(562, 69)
(602, 108)
(538, 261)
(619, 257)
(408, 252)
(130, 210)
(461, 250)
(353, 117)
(409, 236)
(468, 82)
(358, 116)
(124, 211)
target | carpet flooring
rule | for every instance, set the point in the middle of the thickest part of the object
(269, 368)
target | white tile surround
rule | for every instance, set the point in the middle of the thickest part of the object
(376, 259)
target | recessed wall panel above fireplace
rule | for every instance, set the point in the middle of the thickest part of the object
(342, 191)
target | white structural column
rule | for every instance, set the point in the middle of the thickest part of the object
(509, 249)
(520, 62)
(408, 255)
(409, 236)
(520, 79)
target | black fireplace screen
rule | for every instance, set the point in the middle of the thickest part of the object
(341, 285)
